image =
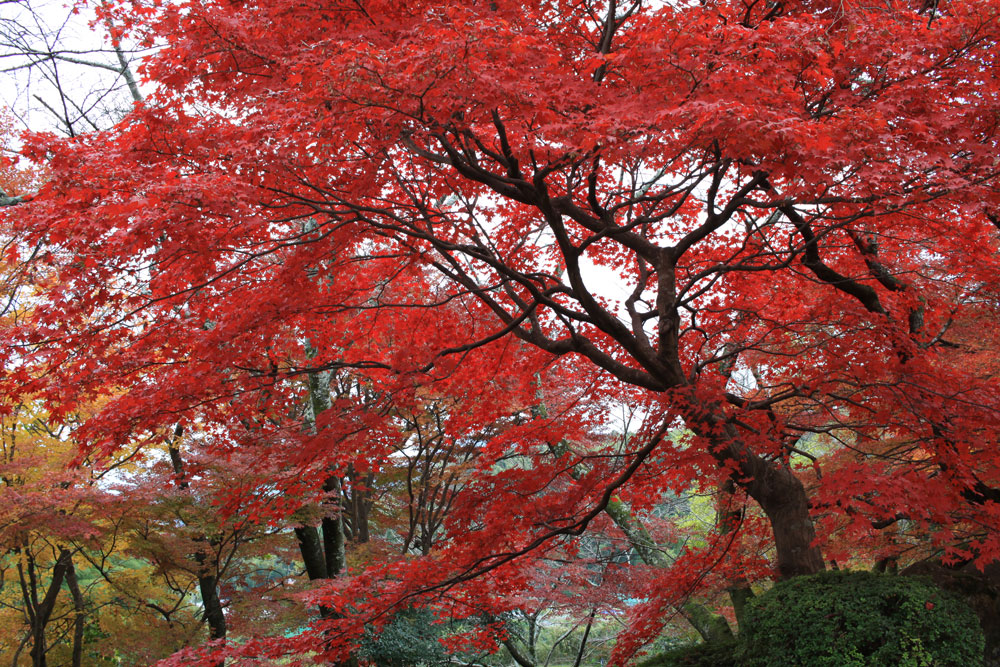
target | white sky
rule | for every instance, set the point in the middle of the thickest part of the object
(45, 48)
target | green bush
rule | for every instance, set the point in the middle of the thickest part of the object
(841, 619)
(714, 654)
(409, 640)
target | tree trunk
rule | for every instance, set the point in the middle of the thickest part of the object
(711, 627)
(583, 640)
(39, 612)
(740, 594)
(783, 498)
(521, 659)
(208, 584)
(728, 519)
(358, 505)
(333, 528)
(329, 559)
(774, 487)
(79, 618)
(312, 552)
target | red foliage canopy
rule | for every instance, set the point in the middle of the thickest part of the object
(757, 221)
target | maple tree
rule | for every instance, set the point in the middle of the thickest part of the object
(94, 567)
(757, 225)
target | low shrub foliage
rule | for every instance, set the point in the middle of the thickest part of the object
(841, 619)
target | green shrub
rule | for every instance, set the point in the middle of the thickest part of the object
(714, 654)
(409, 640)
(841, 619)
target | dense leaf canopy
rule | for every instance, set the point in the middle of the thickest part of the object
(766, 229)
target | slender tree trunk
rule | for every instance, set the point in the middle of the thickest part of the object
(520, 658)
(333, 528)
(533, 637)
(358, 505)
(80, 618)
(740, 594)
(586, 636)
(39, 612)
(711, 627)
(20, 647)
(208, 584)
(326, 558)
(728, 520)
(367, 500)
